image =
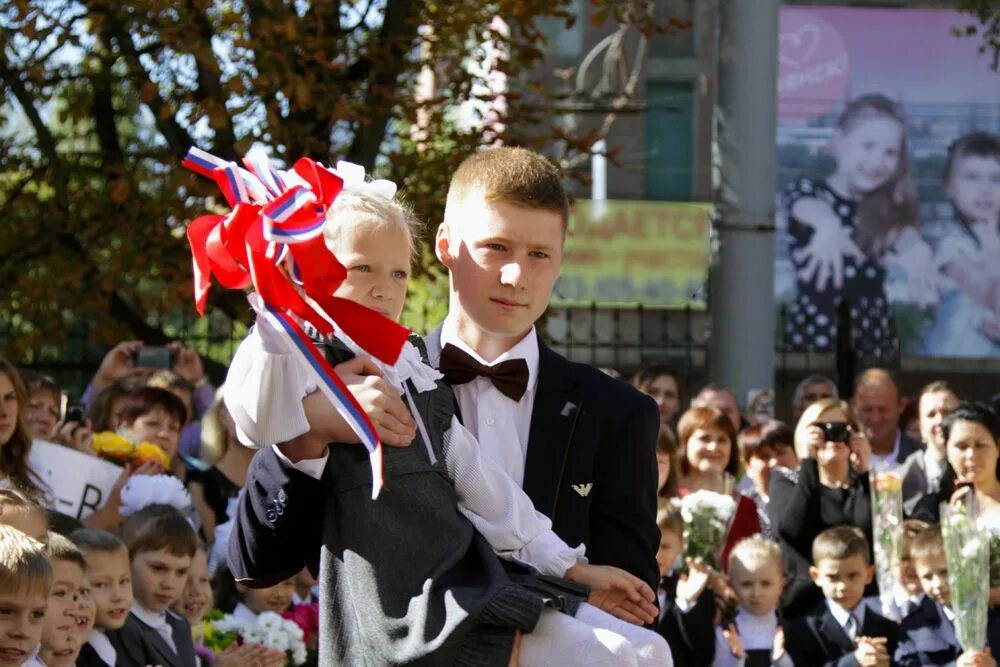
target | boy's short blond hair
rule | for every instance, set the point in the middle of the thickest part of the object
(61, 548)
(839, 543)
(669, 518)
(359, 206)
(24, 563)
(928, 543)
(12, 500)
(517, 176)
(757, 550)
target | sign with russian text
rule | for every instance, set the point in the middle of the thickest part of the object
(635, 252)
(78, 485)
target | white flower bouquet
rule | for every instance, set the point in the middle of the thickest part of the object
(269, 630)
(967, 547)
(887, 521)
(706, 517)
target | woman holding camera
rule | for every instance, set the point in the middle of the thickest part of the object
(831, 490)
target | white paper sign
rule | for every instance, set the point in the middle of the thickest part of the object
(78, 484)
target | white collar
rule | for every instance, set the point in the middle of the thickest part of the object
(150, 618)
(244, 613)
(756, 632)
(102, 646)
(948, 613)
(841, 615)
(526, 348)
(891, 457)
(33, 659)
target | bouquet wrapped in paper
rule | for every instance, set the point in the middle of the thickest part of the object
(268, 629)
(887, 520)
(967, 548)
(706, 517)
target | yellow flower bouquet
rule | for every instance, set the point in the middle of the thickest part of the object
(120, 450)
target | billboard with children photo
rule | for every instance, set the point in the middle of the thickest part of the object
(888, 183)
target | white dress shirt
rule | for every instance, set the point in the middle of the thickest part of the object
(888, 462)
(842, 616)
(102, 646)
(496, 505)
(500, 424)
(156, 621)
(244, 613)
(756, 633)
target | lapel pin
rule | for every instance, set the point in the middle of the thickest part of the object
(583, 489)
(568, 409)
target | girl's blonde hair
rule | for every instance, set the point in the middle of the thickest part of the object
(893, 206)
(757, 549)
(812, 414)
(352, 207)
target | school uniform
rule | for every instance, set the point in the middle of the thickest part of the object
(826, 636)
(757, 637)
(581, 444)
(689, 630)
(148, 638)
(97, 651)
(927, 637)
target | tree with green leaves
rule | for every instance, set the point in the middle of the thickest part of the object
(103, 98)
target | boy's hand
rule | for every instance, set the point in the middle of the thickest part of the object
(872, 652)
(976, 659)
(617, 592)
(690, 587)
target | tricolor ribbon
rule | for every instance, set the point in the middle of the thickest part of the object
(277, 219)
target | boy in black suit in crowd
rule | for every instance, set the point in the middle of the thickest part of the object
(161, 544)
(928, 634)
(842, 632)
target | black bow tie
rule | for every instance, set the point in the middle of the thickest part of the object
(509, 377)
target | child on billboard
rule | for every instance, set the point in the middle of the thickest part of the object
(968, 318)
(848, 229)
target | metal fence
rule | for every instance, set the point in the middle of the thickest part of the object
(618, 338)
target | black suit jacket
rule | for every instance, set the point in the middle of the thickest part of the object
(907, 447)
(591, 461)
(927, 638)
(818, 639)
(690, 634)
(139, 645)
(88, 657)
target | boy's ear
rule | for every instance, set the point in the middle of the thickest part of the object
(814, 574)
(442, 245)
(869, 574)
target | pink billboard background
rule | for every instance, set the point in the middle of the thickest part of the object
(945, 90)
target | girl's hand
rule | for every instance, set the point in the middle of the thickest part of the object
(861, 453)
(250, 655)
(778, 648)
(977, 659)
(732, 638)
(823, 256)
(923, 280)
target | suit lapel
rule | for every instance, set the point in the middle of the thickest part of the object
(182, 638)
(158, 647)
(554, 414)
(433, 343)
(831, 632)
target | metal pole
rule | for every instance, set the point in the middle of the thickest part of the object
(741, 283)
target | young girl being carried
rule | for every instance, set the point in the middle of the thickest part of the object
(848, 229)
(405, 577)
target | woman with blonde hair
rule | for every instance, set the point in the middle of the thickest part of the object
(832, 490)
(211, 489)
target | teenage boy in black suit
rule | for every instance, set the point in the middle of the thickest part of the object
(842, 632)
(582, 444)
